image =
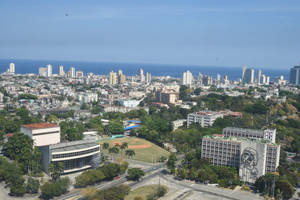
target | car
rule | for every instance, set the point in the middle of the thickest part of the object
(117, 177)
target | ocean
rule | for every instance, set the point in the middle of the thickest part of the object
(102, 68)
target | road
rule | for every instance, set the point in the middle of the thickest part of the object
(108, 184)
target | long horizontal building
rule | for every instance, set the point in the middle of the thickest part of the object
(269, 134)
(253, 156)
(76, 156)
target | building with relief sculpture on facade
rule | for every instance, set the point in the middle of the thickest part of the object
(253, 152)
(76, 155)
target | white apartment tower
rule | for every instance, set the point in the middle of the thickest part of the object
(259, 76)
(187, 78)
(49, 70)
(148, 77)
(11, 69)
(61, 71)
(112, 78)
(142, 76)
(248, 75)
(73, 72)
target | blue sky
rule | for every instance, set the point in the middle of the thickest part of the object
(256, 33)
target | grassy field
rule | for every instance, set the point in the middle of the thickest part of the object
(143, 192)
(144, 150)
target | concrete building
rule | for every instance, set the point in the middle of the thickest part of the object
(187, 78)
(79, 74)
(61, 71)
(167, 97)
(268, 134)
(130, 103)
(148, 78)
(73, 72)
(295, 75)
(248, 76)
(112, 78)
(178, 123)
(253, 157)
(121, 77)
(141, 74)
(76, 155)
(42, 134)
(43, 71)
(204, 118)
(11, 69)
(259, 77)
(49, 70)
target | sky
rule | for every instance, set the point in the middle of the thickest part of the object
(256, 33)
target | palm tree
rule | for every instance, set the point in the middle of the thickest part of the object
(130, 153)
(123, 147)
(56, 169)
(105, 145)
(114, 150)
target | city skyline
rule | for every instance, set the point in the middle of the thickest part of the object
(235, 33)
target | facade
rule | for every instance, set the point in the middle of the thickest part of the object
(259, 74)
(76, 156)
(268, 134)
(11, 69)
(130, 103)
(79, 74)
(253, 157)
(187, 78)
(167, 97)
(42, 134)
(122, 77)
(148, 77)
(178, 123)
(73, 72)
(204, 118)
(43, 71)
(295, 75)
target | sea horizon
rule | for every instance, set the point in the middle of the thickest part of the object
(24, 66)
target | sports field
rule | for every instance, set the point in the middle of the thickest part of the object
(144, 150)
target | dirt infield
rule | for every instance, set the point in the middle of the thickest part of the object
(140, 146)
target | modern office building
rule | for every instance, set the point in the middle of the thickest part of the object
(253, 157)
(76, 155)
(204, 118)
(268, 134)
(42, 134)
(295, 75)
(187, 78)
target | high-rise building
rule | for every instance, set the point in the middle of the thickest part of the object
(295, 75)
(73, 72)
(11, 69)
(218, 77)
(61, 71)
(248, 75)
(142, 76)
(254, 152)
(121, 77)
(225, 77)
(79, 74)
(112, 78)
(207, 80)
(259, 77)
(43, 71)
(267, 80)
(49, 70)
(243, 72)
(187, 78)
(148, 77)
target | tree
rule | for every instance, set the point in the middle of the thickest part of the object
(56, 169)
(52, 189)
(135, 174)
(171, 163)
(105, 145)
(130, 153)
(115, 127)
(32, 186)
(123, 147)
(113, 150)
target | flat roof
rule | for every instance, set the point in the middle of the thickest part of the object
(39, 125)
(71, 146)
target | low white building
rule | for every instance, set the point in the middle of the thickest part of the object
(178, 123)
(87, 97)
(42, 134)
(204, 118)
(130, 103)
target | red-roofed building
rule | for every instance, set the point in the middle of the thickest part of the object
(43, 134)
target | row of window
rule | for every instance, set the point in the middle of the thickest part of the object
(66, 155)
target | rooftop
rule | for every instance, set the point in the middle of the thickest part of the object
(39, 125)
(71, 146)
